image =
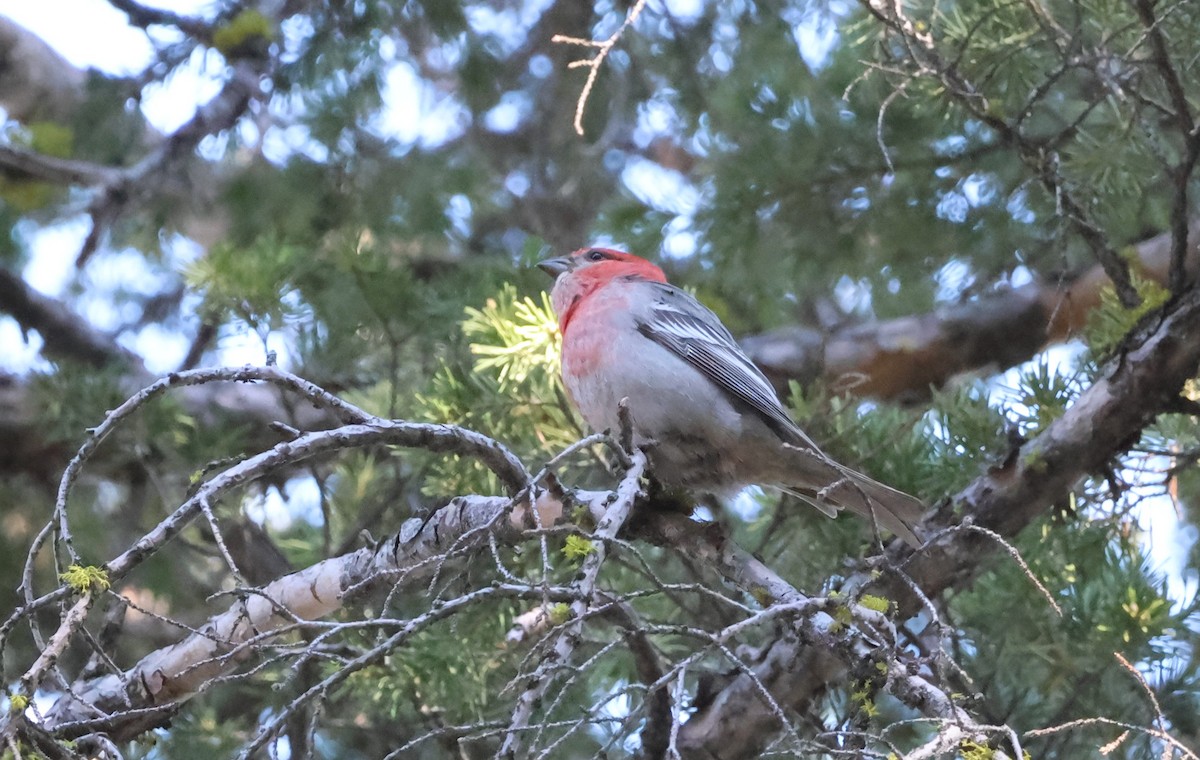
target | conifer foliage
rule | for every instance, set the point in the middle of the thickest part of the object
(957, 235)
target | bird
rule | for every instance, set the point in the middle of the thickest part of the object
(707, 418)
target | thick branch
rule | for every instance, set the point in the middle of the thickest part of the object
(1105, 420)
(36, 83)
(64, 333)
(119, 704)
(62, 171)
(903, 358)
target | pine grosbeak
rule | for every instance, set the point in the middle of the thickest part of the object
(705, 415)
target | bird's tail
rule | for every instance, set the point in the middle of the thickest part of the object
(847, 489)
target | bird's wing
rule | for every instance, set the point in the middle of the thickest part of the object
(690, 330)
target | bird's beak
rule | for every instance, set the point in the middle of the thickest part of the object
(556, 266)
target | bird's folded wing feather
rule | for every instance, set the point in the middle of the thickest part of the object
(686, 328)
(683, 326)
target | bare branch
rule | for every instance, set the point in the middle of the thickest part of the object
(144, 16)
(172, 675)
(1103, 422)
(364, 430)
(36, 83)
(593, 64)
(64, 334)
(567, 639)
(903, 358)
(1166, 738)
(149, 175)
(63, 171)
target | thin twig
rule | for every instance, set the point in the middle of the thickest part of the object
(593, 64)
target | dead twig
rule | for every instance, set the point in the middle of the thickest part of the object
(593, 64)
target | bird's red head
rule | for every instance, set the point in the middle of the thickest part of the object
(602, 264)
(581, 273)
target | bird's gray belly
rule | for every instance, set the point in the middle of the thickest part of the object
(693, 435)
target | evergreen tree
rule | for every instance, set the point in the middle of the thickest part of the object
(956, 235)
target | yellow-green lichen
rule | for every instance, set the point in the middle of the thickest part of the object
(244, 33)
(86, 578)
(560, 613)
(577, 547)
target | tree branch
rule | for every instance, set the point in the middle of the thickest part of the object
(144, 16)
(593, 64)
(64, 333)
(152, 173)
(567, 639)
(795, 668)
(361, 429)
(124, 705)
(903, 358)
(62, 171)
(36, 83)
(1104, 422)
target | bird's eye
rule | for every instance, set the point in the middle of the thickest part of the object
(594, 255)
